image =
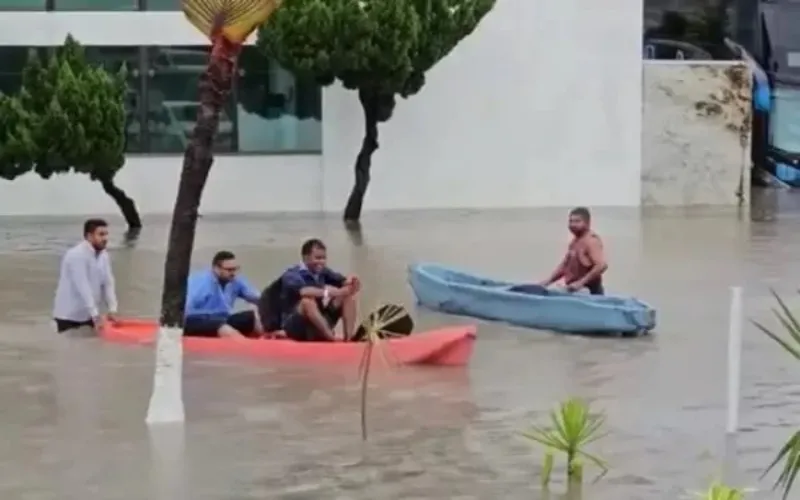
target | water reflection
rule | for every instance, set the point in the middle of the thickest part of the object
(167, 462)
(258, 429)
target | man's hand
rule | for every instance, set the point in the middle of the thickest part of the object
(112, 318)
(545, 283)
(575, 286)
(354, 283)
(98, 322)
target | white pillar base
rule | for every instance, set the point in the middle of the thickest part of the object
(166, 401)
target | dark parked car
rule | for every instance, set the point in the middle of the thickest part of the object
(660, 48)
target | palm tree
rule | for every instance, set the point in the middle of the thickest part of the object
(789, 454)
(227, 23)
(719, 491)
(573, 427)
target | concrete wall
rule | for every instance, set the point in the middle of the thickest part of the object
(695, 133)
(288, 183)
(539, 107)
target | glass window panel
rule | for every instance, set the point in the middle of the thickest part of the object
(276, 112)
(172, 100)
(23, 4)
(784, 126)
(112, 59)
(13, 59)
(688, 29)
(162, 5)
(98, 5)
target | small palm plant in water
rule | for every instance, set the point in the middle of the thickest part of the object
(789, 453)
(573, 427)
(719, 491)
(378, 326)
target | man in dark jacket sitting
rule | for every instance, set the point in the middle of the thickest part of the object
(309, 299)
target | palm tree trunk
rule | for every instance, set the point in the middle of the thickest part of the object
(215, 86)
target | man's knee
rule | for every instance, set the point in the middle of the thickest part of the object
(307, 306)
(346, 301)
(226, 330)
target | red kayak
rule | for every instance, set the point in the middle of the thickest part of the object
(449, 346)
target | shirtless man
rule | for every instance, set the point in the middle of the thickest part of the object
(584, 264)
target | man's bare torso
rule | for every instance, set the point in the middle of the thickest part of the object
(578, 259)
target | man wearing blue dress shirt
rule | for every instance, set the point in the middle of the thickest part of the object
(210, 297)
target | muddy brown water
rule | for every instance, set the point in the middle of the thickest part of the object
(73, 409)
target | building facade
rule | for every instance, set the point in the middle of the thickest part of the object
(540, 106)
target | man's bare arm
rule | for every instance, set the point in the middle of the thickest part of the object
(318, 293)
(598, 258)
(558, 273)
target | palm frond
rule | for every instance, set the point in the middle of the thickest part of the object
(780, 341)
(237, 18)
(789, 453)
(547, 467)
(599, 462)
(375, 327)
(546, 438)
(573, 427)
(789, 323)
(794, 329)
(719, 491)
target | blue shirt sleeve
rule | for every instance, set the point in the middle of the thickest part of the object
(331, 277)
(197, 293)
(292, 281)
(245, 291)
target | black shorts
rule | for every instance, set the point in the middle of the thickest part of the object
(62, 325)
(206, 326)
(596, 287)
(300, 328)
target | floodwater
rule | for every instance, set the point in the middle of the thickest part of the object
(73, 409)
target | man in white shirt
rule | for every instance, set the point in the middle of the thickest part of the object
(85, 280)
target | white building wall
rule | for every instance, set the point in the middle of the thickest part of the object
(98, 28)
(286, 183)
(541, 106)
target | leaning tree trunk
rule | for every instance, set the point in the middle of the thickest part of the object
(370, 103)
(215, 85)
(124, 202)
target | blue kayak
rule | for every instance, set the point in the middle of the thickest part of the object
(458, 292)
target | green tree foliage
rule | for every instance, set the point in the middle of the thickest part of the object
(16, 143)
(69, 116)
(380, 48)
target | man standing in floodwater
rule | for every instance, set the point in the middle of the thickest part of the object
(85, 281)
(585, 262)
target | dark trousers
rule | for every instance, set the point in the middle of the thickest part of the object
(300, 328)
(62, 325)
(208, 326)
